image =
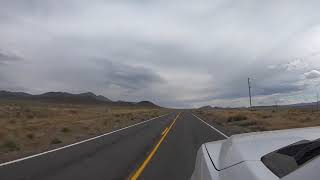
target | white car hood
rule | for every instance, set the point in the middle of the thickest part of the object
(252, 146)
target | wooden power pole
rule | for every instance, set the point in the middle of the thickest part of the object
(249, 86)
(317, 101)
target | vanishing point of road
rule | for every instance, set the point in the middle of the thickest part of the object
(160, 148)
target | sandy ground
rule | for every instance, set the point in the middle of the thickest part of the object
(237, 121)
(27, 128)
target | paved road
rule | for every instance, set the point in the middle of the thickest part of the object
(119, 155)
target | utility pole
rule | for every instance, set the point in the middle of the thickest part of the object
(249, 86)
(317, 101)
(276, 104)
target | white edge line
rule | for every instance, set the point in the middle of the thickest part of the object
(77, 143)
(211, 127)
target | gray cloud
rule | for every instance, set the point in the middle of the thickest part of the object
(280, 89)
(187, 54)
(6, 58)
(314, 74)
(129, 77)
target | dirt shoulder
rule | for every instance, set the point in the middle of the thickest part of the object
(27, 128)
(237, 121)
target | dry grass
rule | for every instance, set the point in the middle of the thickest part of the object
(237, 121)
(27, 127)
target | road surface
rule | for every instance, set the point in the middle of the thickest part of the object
(163, 148)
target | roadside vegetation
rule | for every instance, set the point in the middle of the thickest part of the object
(236, 121)
(30, 127)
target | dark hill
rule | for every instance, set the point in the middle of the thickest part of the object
(64, 97)
(61, 97)
(8, 94)
(88, 97)
(206, 108)
(147, 104)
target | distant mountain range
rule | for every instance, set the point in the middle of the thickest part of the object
(206, 108)
(64, 97)
(298, 105)
(209, 108)
(303, 104)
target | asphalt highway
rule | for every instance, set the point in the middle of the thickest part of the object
(162, 148)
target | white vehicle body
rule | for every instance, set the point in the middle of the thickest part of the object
(239, 157)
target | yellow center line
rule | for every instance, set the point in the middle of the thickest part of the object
(153, 152)
(165, 130)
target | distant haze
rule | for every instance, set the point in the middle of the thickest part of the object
(174, 53)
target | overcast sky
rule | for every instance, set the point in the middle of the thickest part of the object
(176, 53)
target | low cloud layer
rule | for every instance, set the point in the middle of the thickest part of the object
(6, 58)
(314, 74)
(175, 53)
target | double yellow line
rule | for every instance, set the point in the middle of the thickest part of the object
(153, 152)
